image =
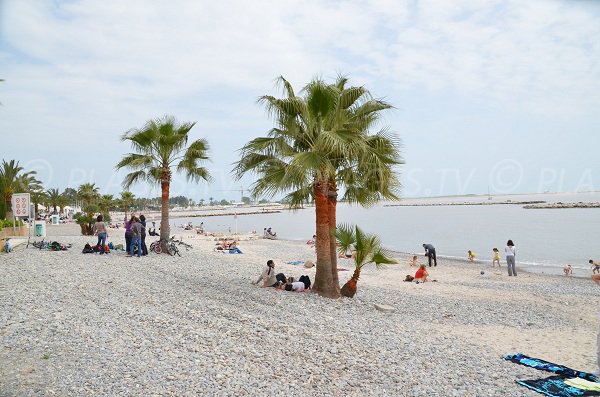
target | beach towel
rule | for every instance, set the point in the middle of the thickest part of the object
(537, 363)
(557, 386)
(295, 263)
(567, 383)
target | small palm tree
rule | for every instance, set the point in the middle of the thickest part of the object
(37, 196)
(161, 145)
(14, 180)
(366, 248)
(54, 198)
(88, 192)
(127, 200)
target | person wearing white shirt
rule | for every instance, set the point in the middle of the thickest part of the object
(510, 258)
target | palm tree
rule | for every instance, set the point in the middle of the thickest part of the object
(321, 141)
(37, 197)
(106, 204)
(160, 146)
(127, 200)
(87, 193)
(12, 180)
(54, 197)
(366, 248)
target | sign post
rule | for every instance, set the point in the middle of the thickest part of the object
(20, 206)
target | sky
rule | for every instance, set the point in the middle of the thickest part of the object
(489, 96)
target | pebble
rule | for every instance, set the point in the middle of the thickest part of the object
(196, 326)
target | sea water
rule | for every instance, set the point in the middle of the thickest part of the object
(544, 238)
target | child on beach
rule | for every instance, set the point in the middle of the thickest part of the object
(413, 262)
(471, 256)
(496, 257)
(568, 270)
(595, 267)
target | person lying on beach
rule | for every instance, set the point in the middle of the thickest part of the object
(471, 255)
(568, 270)
(268, 275)
(595, 266)
(421, 274)
(233, 248)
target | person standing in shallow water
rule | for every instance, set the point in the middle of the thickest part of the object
(510, 258)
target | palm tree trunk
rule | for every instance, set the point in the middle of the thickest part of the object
(349, 289)
(9, 211)
(323, 278)
(164, 215)
(331, 210)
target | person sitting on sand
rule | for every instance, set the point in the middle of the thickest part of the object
(421, 274)
(568, 269)
(595, 267)
(268, 275)
(413, 261)
(496, 258)
(471, 256)
(312, 241)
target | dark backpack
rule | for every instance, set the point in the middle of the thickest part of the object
(87, 249)
(409, 278)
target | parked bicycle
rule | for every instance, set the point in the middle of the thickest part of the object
(171, 247)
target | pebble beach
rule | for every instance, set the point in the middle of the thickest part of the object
(74, 324)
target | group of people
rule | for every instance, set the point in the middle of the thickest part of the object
(268, 279)
(509, 251)
(135, 236)
(231, 247)
(268, 233)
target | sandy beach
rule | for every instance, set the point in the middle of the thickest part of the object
(83, 324)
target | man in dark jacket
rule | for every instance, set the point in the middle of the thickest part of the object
(430, 253)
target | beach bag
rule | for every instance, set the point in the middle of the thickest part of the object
(308, 264)
(110, 245)
(87, 249)
(106, 249)
(409, 278)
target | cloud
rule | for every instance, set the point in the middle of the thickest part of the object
(88, 69)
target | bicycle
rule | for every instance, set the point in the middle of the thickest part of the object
(171, 247)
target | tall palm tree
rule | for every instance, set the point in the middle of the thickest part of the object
(88, 192)
(161, 146)
(37, 197)
(366, 248)
(126, 201)
(106, 203)
(54, 197)
(12, 180)
(322, 141)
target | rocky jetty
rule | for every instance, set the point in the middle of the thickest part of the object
(562, 205)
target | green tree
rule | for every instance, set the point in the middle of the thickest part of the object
(13, 179)
(88, 193)
(322, 141)
(126, 201)
(54, 196)
(37, 197)
(106, 204)
(161, 147)
(365, 248)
